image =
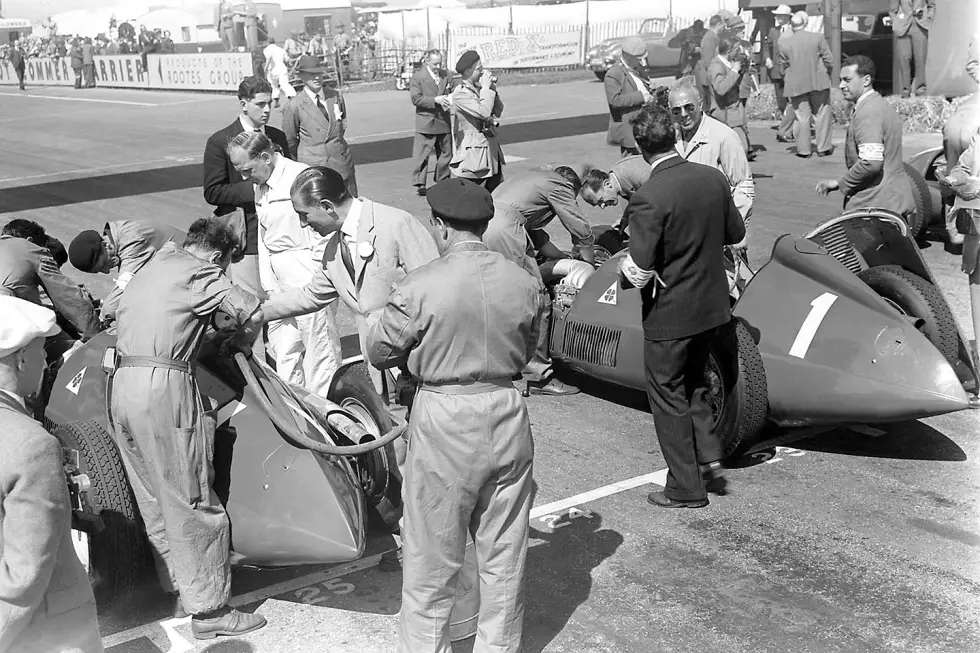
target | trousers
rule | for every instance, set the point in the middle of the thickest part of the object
(167, 447)
(280, 84)
(914, 46)
(467, 474)
(676, 389)
(814, 103)
(425, 145)
(507, 235)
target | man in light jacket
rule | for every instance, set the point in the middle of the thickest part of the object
(806, 63)
(476, 107)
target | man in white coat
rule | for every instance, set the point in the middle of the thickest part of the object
(307, 347)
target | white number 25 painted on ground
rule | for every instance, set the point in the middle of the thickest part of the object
(818, 310)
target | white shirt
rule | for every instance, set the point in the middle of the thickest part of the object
(275, 59)
(248, 125)
(353, 220)
(715, 144)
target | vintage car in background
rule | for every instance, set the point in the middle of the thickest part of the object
(871, 35)
(662, 59)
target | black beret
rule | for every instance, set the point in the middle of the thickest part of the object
(466, 60)
(84, 250)
(460, 200)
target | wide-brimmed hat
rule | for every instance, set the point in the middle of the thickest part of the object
(309, 63)
(782, 10)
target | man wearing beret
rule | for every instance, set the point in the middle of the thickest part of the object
(464, 324)
(46, 600)
(476, 107)
(124, 245)
(626, 92)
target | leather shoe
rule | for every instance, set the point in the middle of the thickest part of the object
(782, 139)
(225, 621)
(391, 561)
(421, 190)
(826, 152)
(803, 156)
(552, 387)
(662, 500)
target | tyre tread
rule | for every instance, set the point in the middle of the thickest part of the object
(923, 202)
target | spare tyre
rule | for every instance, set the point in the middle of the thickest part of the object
(919, 222)
(118, 555)
(915, 297)
(737, 392)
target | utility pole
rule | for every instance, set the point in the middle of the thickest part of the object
(832, 30)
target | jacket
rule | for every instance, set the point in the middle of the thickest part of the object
(680, 236)
(316, 139)
(25, 268)
(725, 103)
(625, 99)
(771, 51)
(46, 601)
(709, 50)
(903, 14)
(430, 118)
(136, 242)
(476, 151)
(540, 195)
(631, 172)
(225, 189)
(805, 62)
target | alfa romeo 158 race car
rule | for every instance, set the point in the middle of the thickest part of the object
(842, 326)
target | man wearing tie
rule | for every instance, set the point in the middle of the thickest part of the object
(315, 122)
(911, 20)
(429, 90)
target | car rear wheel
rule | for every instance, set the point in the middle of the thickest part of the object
(117, 556)
(923, 202)
(377, 470)
(737, 392)
(915, 297)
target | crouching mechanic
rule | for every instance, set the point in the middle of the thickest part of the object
(465, 325)
(523, 206)
(124, 246)
(161, 423)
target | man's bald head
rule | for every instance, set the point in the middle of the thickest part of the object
(684, 102)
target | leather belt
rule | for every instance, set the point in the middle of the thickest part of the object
(157, 362)
(469, 387)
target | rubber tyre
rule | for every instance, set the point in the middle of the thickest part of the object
(608, 241)
(119, 554)
(353, 384)
(600, 75)
(743, 385)
(923, 202)
(918, 298)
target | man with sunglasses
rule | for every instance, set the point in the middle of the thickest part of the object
(705, 140)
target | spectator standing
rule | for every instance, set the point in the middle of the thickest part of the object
(709, 50)
(88, 63)
(276, 71)
(292, 46)
(19, 62)
(430, 93)
(626, 92)
(167, 45)
(911, 20)
(77, 62)
(477, 106)
(725, 77)
(787, 116)
(806, 64)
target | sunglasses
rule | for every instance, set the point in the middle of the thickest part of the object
(687, 108)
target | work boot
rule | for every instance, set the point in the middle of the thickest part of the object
(391, 561)
(225, 621)
(552, 387)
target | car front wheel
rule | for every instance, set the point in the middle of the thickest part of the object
(737, 392)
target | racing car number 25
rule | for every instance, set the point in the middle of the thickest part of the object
(818, 311)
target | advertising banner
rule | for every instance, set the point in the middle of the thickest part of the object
(207, 71)
(112, 71)
(535, 50)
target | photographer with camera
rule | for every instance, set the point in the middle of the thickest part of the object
(476, 107)
(725, 75)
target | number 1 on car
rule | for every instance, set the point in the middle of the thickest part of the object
(818, 310)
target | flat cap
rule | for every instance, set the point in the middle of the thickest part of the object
(23, 322)
(461, 200)
(799, 19)
(84, 250)
(634, 46)
(466, 60)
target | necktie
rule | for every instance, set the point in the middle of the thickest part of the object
(323, 110)
(345, 255)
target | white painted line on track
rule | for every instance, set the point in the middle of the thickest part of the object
(81, 99)
(656, 478)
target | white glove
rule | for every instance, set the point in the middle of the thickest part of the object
(768, 62)
(576, 273)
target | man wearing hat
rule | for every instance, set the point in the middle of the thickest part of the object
(782, 14)
(626, 92)
(315, 123)
(476, 106)
(806, 64)
(38, 566)
(464, 324)
(124, 246)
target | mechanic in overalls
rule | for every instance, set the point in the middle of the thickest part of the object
(163, 426)
(465, 325)
(523, 206)
(124, 246)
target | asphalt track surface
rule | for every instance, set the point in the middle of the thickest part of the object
(841, 541)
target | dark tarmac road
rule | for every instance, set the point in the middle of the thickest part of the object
(840, 542)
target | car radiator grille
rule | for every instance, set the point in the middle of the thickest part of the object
(590, 343)
(835, 240)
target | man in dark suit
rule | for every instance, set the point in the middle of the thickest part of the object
(806, 63)
(430, 92)
(709, 50)
(676, 258)
(88, 63)
(911, 20)
(626, 92)
(225, 189)
(781, 14)
(18, 61)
